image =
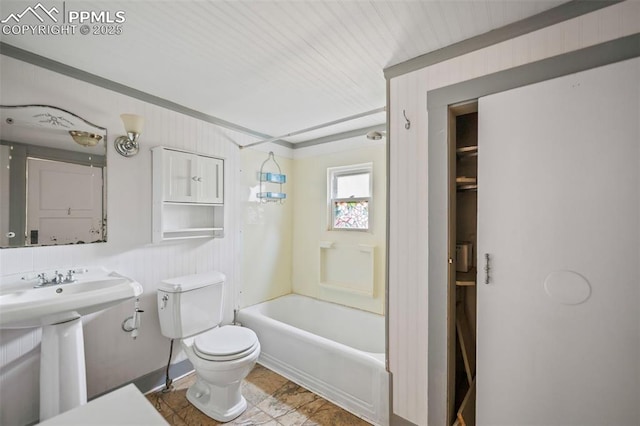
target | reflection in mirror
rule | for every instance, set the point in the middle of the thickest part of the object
(52, 177)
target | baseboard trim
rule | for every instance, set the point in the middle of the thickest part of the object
(396, 420)
(156, 379)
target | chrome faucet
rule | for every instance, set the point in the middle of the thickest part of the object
(58, 278)
(42, 279)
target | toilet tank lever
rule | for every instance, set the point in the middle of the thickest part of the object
(165, 299)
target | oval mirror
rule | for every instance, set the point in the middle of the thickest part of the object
(52, 177)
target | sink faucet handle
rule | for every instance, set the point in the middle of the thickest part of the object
(42, 278)
(70, 278)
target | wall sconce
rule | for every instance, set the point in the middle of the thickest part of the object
(127, 146)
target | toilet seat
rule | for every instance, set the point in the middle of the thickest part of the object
(225, 343)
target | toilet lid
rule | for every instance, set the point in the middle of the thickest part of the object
(225, 343)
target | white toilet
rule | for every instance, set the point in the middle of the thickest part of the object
(190, 309)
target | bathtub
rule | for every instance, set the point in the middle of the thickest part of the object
(332, 350)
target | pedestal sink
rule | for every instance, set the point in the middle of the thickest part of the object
(58, 309)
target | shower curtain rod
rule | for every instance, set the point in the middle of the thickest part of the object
(319, 126)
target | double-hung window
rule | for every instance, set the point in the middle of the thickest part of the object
(350, 197)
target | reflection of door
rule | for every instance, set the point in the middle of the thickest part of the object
(64, 202)
(559, 212)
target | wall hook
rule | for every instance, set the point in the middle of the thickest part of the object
(407, 125)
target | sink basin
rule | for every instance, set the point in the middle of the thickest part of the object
(58, 309)
(22, 306)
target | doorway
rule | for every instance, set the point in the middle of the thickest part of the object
(463, 202)
(558, 211)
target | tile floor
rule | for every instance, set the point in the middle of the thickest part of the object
(273, 401)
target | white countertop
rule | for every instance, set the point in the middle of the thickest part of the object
(124, 406)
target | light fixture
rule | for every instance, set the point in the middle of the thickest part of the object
(375, 135)
(85, 138)
(128, 145)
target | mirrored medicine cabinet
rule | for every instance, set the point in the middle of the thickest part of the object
(52, 177)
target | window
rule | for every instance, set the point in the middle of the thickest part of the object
(349, 197)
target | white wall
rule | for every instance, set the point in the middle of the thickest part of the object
(310, 218)
(112, 357)
(267, 228)
(409, 239)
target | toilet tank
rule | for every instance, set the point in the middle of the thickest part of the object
(190, 304)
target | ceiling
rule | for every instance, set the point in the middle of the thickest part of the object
(273, 67)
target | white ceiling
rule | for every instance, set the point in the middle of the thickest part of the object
(271, 66)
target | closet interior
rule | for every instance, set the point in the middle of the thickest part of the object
(463, 140)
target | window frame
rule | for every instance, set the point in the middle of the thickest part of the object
(333, 173)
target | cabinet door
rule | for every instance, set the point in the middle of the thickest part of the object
(559, 214)
(180, 175)
(210, 180)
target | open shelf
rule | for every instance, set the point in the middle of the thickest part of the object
(467, 151)
(466, 278)
(173, 231)
(466, 183)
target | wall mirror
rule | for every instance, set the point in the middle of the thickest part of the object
(52, 177)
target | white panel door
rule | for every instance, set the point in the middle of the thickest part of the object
(559, 212)
(181, 176)
(64, 203)
(210, 182)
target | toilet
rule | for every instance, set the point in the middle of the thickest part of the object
(190, 309)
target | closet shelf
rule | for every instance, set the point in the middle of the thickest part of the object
(466, 278)
(463, 188)
(466, 180)
(467, 151)
(466, 183)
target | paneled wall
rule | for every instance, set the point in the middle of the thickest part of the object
(112, 357)
(409, 255)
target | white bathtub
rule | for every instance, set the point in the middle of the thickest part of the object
(332, 350)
